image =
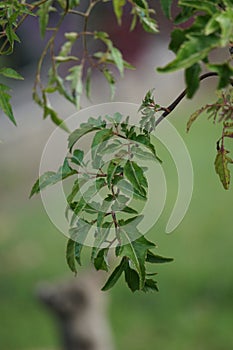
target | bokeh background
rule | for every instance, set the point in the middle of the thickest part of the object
(194, 308)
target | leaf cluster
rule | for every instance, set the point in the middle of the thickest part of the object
(102, 205)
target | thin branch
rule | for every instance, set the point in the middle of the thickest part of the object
(173, 105)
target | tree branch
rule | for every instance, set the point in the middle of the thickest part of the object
(173, 105)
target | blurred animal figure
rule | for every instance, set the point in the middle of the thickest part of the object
(79, 308)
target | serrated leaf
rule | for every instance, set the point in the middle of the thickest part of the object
(51, 178)
(114, 277)
(5, 103)
(136, 176)
(192, 51)
(78, 133)
(10, 73)
(135, 250)
(157, 259)
(192, 79)
(221, 167)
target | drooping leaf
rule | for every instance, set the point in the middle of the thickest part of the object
(114, 277)
(221, 167)
(136, 176)
(132, 278)
(118, 9)
(5, 103)
(150, 286)
(43, 14)
(51, 177)
(70, 255)
(101, 261)
(10, 73)
(166, 7)
(192, 79)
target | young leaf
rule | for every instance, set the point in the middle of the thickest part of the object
(78, 157)
(114, 277)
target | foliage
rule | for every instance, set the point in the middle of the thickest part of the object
(200, 27)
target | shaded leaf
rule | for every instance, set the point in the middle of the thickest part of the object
(157, 259)
(114, 277)
(221, 167)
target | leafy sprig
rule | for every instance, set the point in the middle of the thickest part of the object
(102, 206)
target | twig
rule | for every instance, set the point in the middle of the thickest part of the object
(173, 105)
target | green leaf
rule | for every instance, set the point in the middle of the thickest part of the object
(192, 79)
(166, 7)
(48, 111)
(157, 259)
(225, 20)
(112, 171)
(75, 77)
(132, 278)
(135, 250)
(10, 73)
(51, 177)
(78, 157)
(118, 59)
(136, 176)
(204, 5)
(70, 255)
(118, 9)
(101, 261)
(98, 140)
(43, 14)
(221, 167)
(5, 103)
(88, 83)
(178, 36)
(150, 286)
(225, 72)
(192, 51)
(114, 277)
(78, 133)
(111, 80)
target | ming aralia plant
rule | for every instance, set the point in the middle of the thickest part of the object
(112, 223)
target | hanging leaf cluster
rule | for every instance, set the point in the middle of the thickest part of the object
(103, 204)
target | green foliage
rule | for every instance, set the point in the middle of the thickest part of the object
(121, 180)
(112, 220)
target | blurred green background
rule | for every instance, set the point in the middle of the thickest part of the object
(194, 308)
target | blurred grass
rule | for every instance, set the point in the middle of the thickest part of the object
(194, 308)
